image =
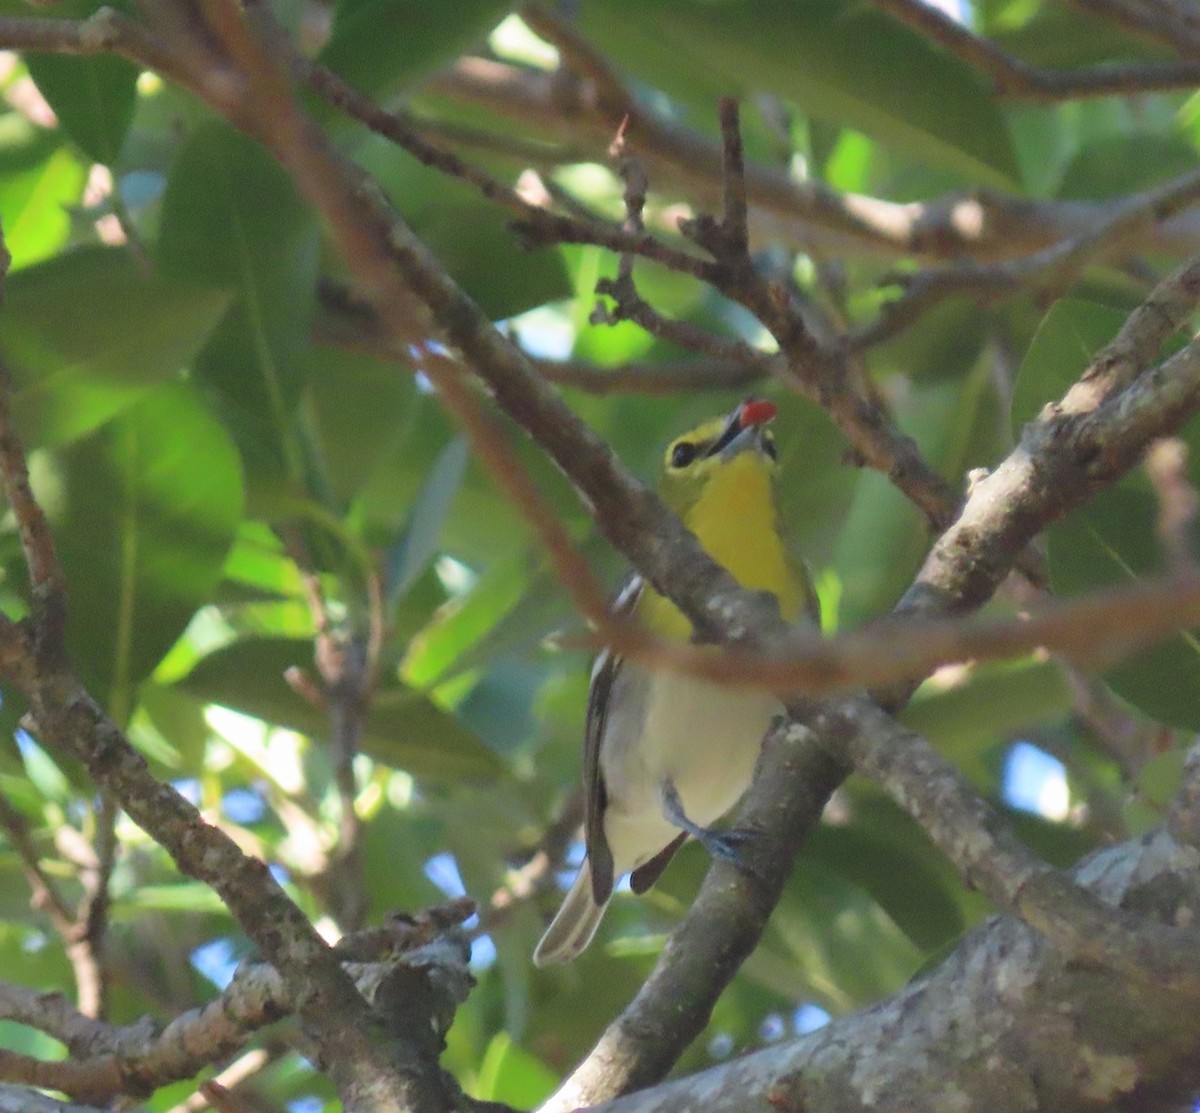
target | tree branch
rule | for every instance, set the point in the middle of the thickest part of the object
(1015, 78)
(1005, 1022)
(134, 1060)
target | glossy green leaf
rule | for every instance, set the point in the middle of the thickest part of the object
(149, 505)
(78, 359)
(384, 45)
(232, 218)
(842, 61)
(404, 729)
(93, 99)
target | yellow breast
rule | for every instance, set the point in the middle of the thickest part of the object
(734, 519)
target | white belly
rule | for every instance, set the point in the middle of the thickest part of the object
(704, 738)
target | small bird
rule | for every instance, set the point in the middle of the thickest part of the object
(666, 755)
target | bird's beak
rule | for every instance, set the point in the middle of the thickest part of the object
(744, 428)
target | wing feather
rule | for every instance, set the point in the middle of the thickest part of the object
(604, 675)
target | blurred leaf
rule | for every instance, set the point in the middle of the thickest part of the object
(1122, 164)
(884, 537)
(1071, 332)
(411, 555)
(93, 99)
(988, 707)
(181, 896)
(880, 850)
(359, 406)
(843, 61)
(1160, 777)
(471, 236)
(43, 773)
(465, 620)
(231, 217)
(1112, 540)
(384, 45)
(79, 359)
(1054, 35)
(404, 729)
(40, 178)
(150, 504)
(511, 1075)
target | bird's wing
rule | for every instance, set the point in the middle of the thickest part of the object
(604, 675)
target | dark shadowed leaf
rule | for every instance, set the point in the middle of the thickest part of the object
(93, 99)
(843, 61)
(232, 218)
(79, 359)
(380, 45)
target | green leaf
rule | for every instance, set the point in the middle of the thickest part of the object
(511, 1075)
(40, 180)
(1070, 333)
(149, 506)
(470, 235)
(877, 850)
(1119, 164)
(79, 358)
(232, 218)
(1112, 540)
(843, 61)
(359, 406)
(472, 617)
(384, 45)
(989, 706)
(184, 896)
(411, 555)
(404, 729)
(93, 98)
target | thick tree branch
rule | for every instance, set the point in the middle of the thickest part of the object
(134, 1060)
(1005, 1023)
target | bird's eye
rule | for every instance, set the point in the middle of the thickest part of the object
(683, 454)
(769, 448)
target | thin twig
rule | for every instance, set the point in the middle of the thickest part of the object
(1015, 78)
(982, 224)
(1051, 268)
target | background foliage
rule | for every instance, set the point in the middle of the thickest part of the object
(208, 449)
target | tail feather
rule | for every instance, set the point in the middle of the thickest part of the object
(573, 927)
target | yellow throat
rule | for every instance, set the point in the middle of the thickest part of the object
(734, 518)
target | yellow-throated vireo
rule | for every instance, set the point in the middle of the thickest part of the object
(666, 755)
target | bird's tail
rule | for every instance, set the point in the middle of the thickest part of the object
(572, 929)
